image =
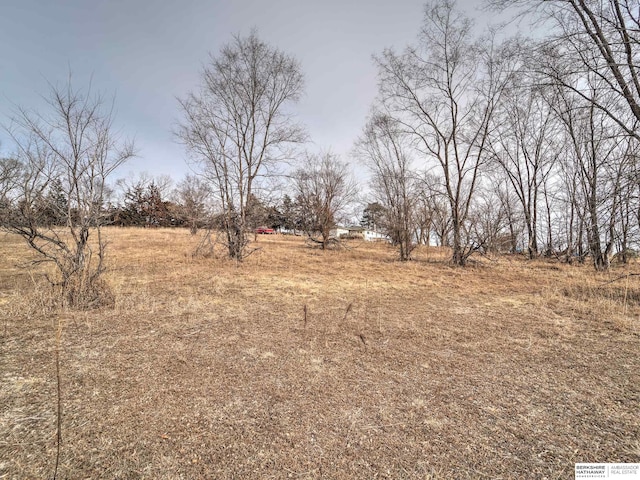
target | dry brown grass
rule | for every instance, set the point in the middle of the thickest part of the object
(206, 368)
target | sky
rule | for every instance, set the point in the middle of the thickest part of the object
(147, 54)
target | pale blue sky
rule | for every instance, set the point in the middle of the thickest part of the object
(148, 53)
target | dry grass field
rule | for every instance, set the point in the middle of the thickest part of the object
(308, 364)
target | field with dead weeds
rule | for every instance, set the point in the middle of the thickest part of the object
(308, 364)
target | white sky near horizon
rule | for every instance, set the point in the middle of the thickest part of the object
(149, 53)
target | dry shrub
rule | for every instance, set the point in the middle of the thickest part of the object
(44, 297)
(87, 294)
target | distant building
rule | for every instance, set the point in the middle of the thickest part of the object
(357, 232)
(339, 232)
(373, 236)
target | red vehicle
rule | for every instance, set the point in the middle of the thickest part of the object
(265, 230)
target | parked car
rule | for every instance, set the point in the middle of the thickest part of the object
(265, 231)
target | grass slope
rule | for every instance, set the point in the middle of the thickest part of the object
(308, 364)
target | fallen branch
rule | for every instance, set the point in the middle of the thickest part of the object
(620, 278)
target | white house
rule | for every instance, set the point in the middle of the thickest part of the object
(339, 232)
(358, 232)
(373, 236)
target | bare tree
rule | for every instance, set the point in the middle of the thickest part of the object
(525, 146)
(425, 220)
(598, 156)
(488, 221)
(383, 149)
(73, 147)
(193, 196)
(432, 211)
(444, 93)
(592, 37)
(514, 218)
(238, 126)
(324, 189)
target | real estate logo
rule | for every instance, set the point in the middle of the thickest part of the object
(622, 471)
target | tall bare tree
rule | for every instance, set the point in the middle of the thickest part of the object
(71, 147)
(324, 189)
(383, 149)
(444, 92)
(525, 146)
(592, 37)
(238, 126)
(598, 154)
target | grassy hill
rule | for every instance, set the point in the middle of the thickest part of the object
(301, 363)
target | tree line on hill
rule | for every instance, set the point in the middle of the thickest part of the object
(477, 141)
(150, 203)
